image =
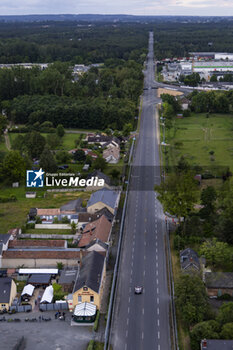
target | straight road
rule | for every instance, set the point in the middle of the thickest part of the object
(141, 322)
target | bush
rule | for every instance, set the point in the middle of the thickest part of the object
(96, 324)
(30, 226)
(225, 297)
(12, 198)
(178, 243)
(91, 345)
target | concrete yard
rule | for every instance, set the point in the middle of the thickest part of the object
(52, 335)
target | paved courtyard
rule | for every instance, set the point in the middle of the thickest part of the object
(52, 335)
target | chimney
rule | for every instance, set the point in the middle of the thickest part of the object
(203, 344)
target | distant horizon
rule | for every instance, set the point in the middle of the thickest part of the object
(201, 8)
(110, 14)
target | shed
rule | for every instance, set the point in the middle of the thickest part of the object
(39, 279)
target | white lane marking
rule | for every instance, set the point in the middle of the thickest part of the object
(143, 311)
(133, 249)
(157, 280)
(158, 323)
(129, 300)
(144, 273)
(125, 346)
(127, 321)
(156, 257)
(126, 333)
(142, 335)
(158, 347)
(133, 242)
(128, 310)
(144, 243)
(157, 264)
(130, 289)
(157, 272)
(130, 279)
(131, 272)
(157, 310)
(157, 300)
(156, 237)
(144, 257)
(156, 243)
(157, 290)
(156, 250)
(158, 334)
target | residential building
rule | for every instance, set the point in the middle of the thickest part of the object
(90, 281)
(219, 283)
(98, 229)
(8, 292)
(216, 344)
(103, 198)
(99, 175)
(189, 260)
(97, 245)
(112, 155)
(84, 218)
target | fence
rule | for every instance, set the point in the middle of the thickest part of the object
(21, 308)
(54, 307)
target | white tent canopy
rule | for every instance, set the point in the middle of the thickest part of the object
(85, 309)
(28, 289)
(48, 295)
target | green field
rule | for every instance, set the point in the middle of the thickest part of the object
(68, 140)
(14, 214)
(196, 137)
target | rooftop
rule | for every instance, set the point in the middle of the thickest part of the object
(90, 272)
(68, 276)
(4, 237)
(219, 280)
(5, 289)
(105, 196)
(96, 229)
(74, 205)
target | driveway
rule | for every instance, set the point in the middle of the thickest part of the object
(52, 335)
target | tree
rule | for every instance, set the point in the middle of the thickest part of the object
(53, 141)
(208, 199)
(3, 123)
(178, 194)
(14, 167)
(225, 314)
(100, 164)
(191, 299)
(227, 331)
(73, 227)
(60, 265)
(80, 156)
(62, 157)
(203, 330)
(127, 129)
(214, 78)
(47, 161)
(60, 130)
(35, 143)
(217, 253)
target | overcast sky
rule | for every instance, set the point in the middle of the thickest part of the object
(134, 7)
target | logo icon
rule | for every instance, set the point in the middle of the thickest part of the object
(35, 178)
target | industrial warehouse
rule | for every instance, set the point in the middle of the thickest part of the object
(206, 64)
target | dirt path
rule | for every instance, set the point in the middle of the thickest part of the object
(7, 141)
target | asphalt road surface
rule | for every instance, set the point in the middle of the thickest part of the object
(141, 322)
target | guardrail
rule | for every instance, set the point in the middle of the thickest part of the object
(114, 281)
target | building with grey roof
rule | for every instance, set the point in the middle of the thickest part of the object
(91, 279)
(103, 198)
(219, 283)
(7, 292)
(216, 344)
(189, 260)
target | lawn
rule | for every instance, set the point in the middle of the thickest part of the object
(14, 214)
(2, 144)
(196, 137)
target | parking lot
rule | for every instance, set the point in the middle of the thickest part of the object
(51, 335)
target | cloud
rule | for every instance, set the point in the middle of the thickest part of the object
(137, 7)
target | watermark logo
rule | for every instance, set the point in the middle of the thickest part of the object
(35, 178)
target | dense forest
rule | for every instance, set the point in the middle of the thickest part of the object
(178, 39)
